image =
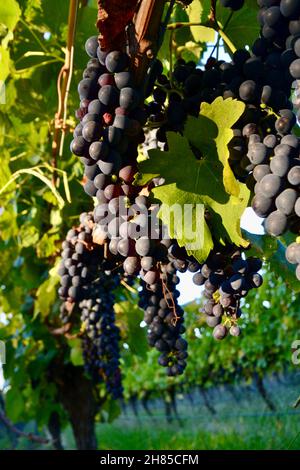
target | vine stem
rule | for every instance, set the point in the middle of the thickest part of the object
(147, 23)
(63, 87)
(224, 29)
(184, 24)
(226, 39)
(32, 437)
(128, 287)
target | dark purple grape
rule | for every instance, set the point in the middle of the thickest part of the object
(276, 223)
(109, 96)
(116, 61)
(91, 46)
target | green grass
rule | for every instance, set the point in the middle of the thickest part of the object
(241, 421)
(233, 433)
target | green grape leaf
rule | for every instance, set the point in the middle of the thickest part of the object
(8, 223)
(213, 134)
(190, 51)
(242, 27)
(46, 294)
(273, 252)
(192, 185)
(196, 14)
(9, 14)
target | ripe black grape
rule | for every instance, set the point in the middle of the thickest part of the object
(91, 46)
(116, 61)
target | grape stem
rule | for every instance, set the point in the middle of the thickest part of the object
(173, 306)
(225, 38)
(219, 37)
(128, 287)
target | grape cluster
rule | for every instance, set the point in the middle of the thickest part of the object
(277, 188)
(280, 21)
(88, 282)
(80, 261)
(143, 250)
(227, 277)
(263, 152)
(101, 335)
(111, 117)
(164, 317)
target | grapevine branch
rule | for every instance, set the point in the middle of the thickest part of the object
(144, 17)
(32, 437)
(63, 86)
(147, 22)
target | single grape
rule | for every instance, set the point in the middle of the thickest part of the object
(91, 46)
(280, 165)
(276, 223)
(294, 176)
(212, 321)
(116, 61)
(297, 206)
(109, 96)
(220, 331)
(285, 201)
(292, 253)
(99, 150)
(79, 146)
(234, 330)
(295, 69)
(260, 171)
(270, 185)
(91, 131)
(248, 91)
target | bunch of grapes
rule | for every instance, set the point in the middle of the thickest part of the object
(111, 118)
(88, 280)
(277, 188)
(261, 79)
(80, 261)
(164, 317)
(143, 250)
(101, 335)
(280, 22)
(227, 277)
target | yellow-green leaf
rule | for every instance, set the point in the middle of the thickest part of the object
(224, 114)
